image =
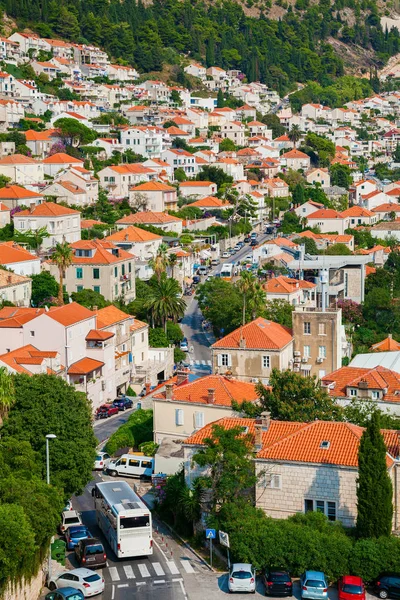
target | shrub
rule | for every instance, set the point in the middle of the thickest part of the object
(137, 429)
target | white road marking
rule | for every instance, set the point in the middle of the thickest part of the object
(129, 572)
(203, 362)
(140, 583)
(183, 589)
(175, 580)
(123, 585)
(187, 566)
(158, 568)
(113, 592)
(114, 574)
(160, 549)
(172, 567)
(144, 571)
(159, 581)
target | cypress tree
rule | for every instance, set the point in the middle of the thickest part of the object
(374, 486)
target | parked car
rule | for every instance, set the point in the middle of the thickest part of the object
(269, 230)
(226, 254)
(246, 239)
(76, 533)
(69, 518)
(387, 585)
(215, 262)
(106, 410)
(68, 505)
(101, 461)
(86, 581)
(314, 585)
(123, 403)
(90, 553)
(351, 588)
(253, 242)
(67, 593)
(277, 583)
(202, 271)
(196, 279)
(184, 345)
(242, 578)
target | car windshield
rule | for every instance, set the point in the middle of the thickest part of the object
(91, 578)
(278, 577)
(317, 583)
(78, 533)
(241, 575)
(98, 457)
(96, 549)
(348, 588)
(74, 596)
(69, 520)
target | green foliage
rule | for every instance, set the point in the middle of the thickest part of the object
(227, 145)
(174, 333)
(220, 303)
(290, 223)
(137, 429)
(89, 298)
(214, 174)
(309, 243)
(338, 250)
(179, 505)
(274, 124)
(360, 411)
(279, 311)
(341, 175)
(298, 194)
(157, 338)
(71, 130)
(148, 448)
(374, 486)
(165, 301)
(44, 289)
(343, 90)
(17, 544)
(46, 403)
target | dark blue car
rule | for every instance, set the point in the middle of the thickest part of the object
(74, 535)
(123, 403)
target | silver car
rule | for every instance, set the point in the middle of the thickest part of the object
(314, 585)
(242, 578)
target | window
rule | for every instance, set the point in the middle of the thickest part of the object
(266, 362)
(115, 271)
(307, 328)
(325, 507)
(32, 333)
(276, 482)
(198, 420)
(146, 464)
(123, 269)
(375, 395)
(178, 416)
(116, 289)
(353, 392)
(306, 351)
(79, 288)
(308, 506)
(22, 225)
(142, 336)
(331, 511)
(134, 463)
(224, 360)
(96, 288)
(131, 522)
(96, 273)
(322, 352)
(130, 267)
(320, 506)
(79, 273)
(321, 329)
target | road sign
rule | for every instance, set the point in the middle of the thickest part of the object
(224, 539)
(211, 534)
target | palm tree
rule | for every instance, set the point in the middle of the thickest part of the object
(33, 237)
(159, 262)
(294, 134)
(62, 257)
(172, 262)
(7, 393)
(257, 300)
(246, 286)
(165, 301)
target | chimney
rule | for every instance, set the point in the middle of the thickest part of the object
(148, 387)
(389, 336)
(9, 279)
(257, 435)
(211, 396)
(265, 419)
(181, 376)
(95, 308)
(168, 391)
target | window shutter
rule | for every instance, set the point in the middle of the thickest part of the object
(219, 359)
(179, 416)
(229, 360)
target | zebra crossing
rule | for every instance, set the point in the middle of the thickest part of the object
(200, 363)
(148, 570)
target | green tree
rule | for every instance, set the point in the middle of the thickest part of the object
(374, 486)
(298, 194)
(214, 174)
(294, 134)
(176, 98)
(180, 175)
(273, 122)
(17, 543)
(338, 250)
(44, 288)
(62, 257)
(89, 298)
(220, 303)
(227, 145)
(309, 243)
(157, 338)
(360, 411)
(7, 392)
(341, 175)
(246, 286)
(172, 262)
(137, 429)
(165, 301)
(47, 404)
(227, 456)
(396, 154)
(160, 261)
(290, 223)
(279, 311)
(220, 99)
(33, 237)
(71, 131)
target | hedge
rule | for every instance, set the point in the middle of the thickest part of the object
(137, 429)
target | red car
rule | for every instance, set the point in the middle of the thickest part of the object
(106, 410)
(351, 588)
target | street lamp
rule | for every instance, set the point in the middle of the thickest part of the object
(49, 436)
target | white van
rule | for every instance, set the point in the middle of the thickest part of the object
(131, 465)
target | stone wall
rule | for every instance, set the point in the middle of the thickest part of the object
(26, 590)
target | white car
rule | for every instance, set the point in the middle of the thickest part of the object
(88, 582)
(242, 578)
(101, 461)
(68, 519)
(226, 255)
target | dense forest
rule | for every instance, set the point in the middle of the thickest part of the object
(278, 53)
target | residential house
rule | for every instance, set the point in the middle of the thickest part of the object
(235, 131)
(324, 240)
(146, 141)
(187, 406)
(40, 142)
(386, 229)
(302, 467)
(66, 191)
(100, 266)
(31, 361)
(15, 288)
(22, 169)
(374, 199)
(363, 188)
(117, 180)
(276, 187)
(46, 68)
(252, 351)
(295, 159)
(308, 208)
(162, 168)
(359, 216)
(199, 189)
(384, 211)
(29, 41)
(161, 220)
(328, 220)
(196, 70)
(386, 345)
(320, 176)
(54, 164)
(230, 166)
(122, 73)
(154, 196)
(11, 113)
(139, 242)
(181, 159)
(62, 224)
(15, 195)
(5, 218)
(83, 179)
(211, 203)
(18, 259)
(294, 291)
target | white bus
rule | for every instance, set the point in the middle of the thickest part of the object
(123, 518)
(226, 271)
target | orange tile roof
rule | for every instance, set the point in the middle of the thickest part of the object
(48, 209)
(34, 136)
(195, 184)
(295, 154)
(325, 213)
(85, 366)
(153, 186)
(69, 314)
(259, 334)
(386, 345)
(357, 211)
(378, 378)
(133, 234)
(387, 207)
(138, 325)
(18, 159)
(10, 253)
(89, 223)
(210, 202)
(149, 217)
(62, 158)
(97, 335)
(101, 256)
(226, 390)
(286, 285)
(8, 278)
(110, 315)
(136, 169)
(369, 270)
(26, 355)
(16, 191)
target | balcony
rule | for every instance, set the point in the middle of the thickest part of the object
(126, 277)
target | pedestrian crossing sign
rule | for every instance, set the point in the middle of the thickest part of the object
(211, 534)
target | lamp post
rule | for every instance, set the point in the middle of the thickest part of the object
(49, 436)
